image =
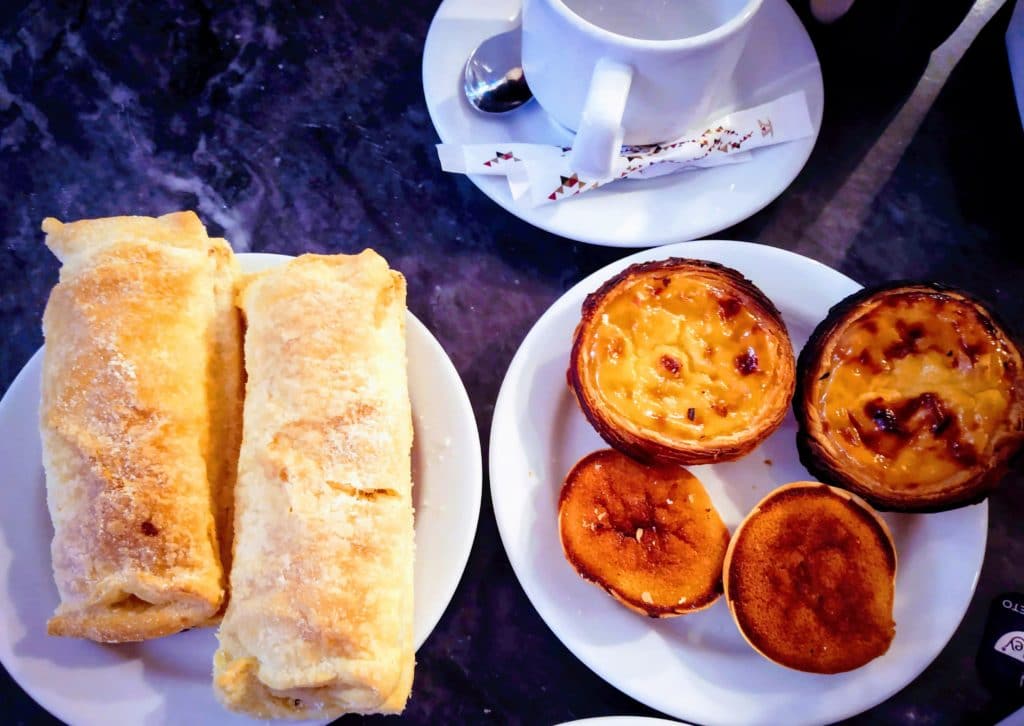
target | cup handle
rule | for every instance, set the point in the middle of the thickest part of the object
(600, 133)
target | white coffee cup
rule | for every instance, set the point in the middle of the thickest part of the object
(630, 71)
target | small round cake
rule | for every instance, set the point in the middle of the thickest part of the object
(648, 535)
(682, 361)
(910, 395)
(810, 579)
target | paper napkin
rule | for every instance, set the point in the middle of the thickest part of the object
(540, 174)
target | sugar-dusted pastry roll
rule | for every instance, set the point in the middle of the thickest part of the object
(140, 423)
(320, 617)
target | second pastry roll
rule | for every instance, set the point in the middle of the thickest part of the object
(320, 617)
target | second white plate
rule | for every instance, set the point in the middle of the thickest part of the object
(698, 667)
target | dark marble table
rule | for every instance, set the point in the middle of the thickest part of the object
(293, 129)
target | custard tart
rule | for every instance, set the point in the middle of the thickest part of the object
(810, 579)
(682, 361)
(910, 395)
(648, 535)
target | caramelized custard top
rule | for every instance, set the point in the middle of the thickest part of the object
(916, 388)
(681, 356)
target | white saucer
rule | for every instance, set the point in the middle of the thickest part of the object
(698, 667)
(168, 680)
(779, 59)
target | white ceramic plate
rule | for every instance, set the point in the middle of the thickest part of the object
(779, 59)
(168, 680)
(698, 667)
(621, 721)
(1015, 53)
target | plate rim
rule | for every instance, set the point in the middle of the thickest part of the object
(475, 468)
(549, 224)
(587, 284)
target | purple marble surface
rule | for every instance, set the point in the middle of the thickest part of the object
(292, 129)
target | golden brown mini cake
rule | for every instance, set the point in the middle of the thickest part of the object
(910, 396)
(682, 361)
(810, 577)
(649, 535)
